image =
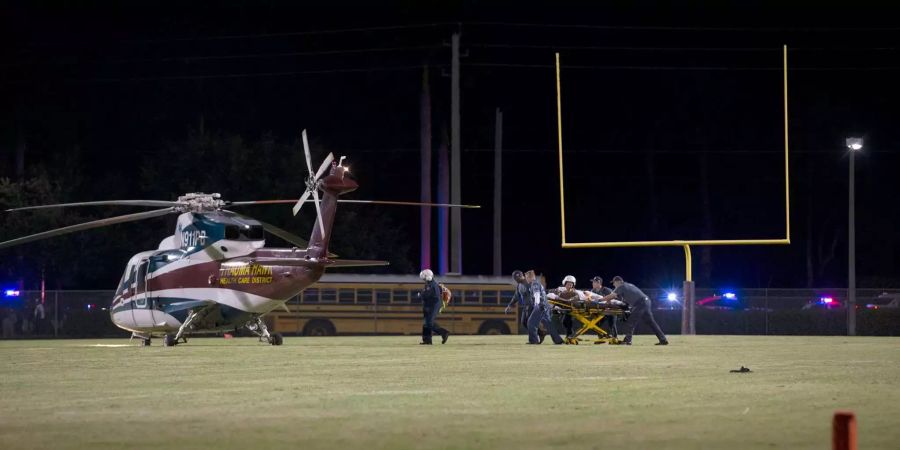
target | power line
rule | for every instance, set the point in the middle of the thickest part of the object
(658, 152)
(288, 34)
(674, 49)
(688, 68)
(685, 28)
(238, 75)
(69, 43)
(243, 56)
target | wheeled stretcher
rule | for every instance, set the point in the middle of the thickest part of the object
(589, 313)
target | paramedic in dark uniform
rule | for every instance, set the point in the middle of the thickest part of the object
(431, 306)
(519, 298)
(610, 320)
(640, 309)
(540, 313)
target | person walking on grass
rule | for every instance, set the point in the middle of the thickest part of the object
(431, 306)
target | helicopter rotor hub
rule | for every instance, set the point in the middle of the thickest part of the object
(311, 184)
(200, 202)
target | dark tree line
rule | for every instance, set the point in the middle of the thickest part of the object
(204, 161)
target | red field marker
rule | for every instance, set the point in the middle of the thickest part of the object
(843, 436)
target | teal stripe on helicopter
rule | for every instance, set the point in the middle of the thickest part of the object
(170, 305)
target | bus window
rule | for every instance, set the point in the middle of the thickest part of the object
(346, 296)
(471, 297)
(364, 296)
(328, 296)
(382, 296)
(506, 297)
(489, 297)
(311, 296)
(401, 296)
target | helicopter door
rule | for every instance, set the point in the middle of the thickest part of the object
(153, 307)
(130, 289)
(143, 311)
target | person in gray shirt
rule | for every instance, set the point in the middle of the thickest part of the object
(520, 298)
(640, 309)
(598, 288)
(540, 312)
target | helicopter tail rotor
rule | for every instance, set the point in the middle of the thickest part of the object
(312, 183)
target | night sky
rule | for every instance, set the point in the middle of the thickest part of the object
(672, 118)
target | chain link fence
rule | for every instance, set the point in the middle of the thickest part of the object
(84, 314)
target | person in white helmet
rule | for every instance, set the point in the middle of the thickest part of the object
(566, 292)
(431, 306)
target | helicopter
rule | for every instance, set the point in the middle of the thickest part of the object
(214, 273)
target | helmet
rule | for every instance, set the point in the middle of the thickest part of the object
(567, 279)
(426, 275)
(518, 275)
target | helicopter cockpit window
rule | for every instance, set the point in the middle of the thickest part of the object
(164, 258)
(244, 233)
(142, 276)
(126, 281)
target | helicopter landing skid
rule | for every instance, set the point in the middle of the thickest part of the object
(259, 328)
(145, 339)
(173, 340)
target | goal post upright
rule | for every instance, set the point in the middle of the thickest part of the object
(687, 326)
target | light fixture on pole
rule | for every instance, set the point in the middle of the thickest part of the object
(855, 145)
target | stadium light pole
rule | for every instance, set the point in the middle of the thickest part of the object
(855, 145)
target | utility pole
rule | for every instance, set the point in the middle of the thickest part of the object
(455, 188)
(425, 143)
(851, 252)
(498, 190)
(855, 145)
(443, 196)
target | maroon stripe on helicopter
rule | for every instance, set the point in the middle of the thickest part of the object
(274, 281)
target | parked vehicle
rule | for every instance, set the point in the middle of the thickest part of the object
(885, 300)
(727, 301)
(825, 302)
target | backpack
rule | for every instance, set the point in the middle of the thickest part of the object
(446, 295)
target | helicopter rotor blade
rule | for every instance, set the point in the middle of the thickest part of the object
(319, 212)
(158, 203)
(306, 151)
(88, 225)
(397, 203)
(370, 202)
(325, 165)
(288, 236)
(297, 206)
(284, 234)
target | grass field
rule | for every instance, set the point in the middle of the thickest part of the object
(474, 392)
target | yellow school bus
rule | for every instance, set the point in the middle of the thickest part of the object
(389, 304)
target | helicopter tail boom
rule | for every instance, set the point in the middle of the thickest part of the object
(333, 185)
